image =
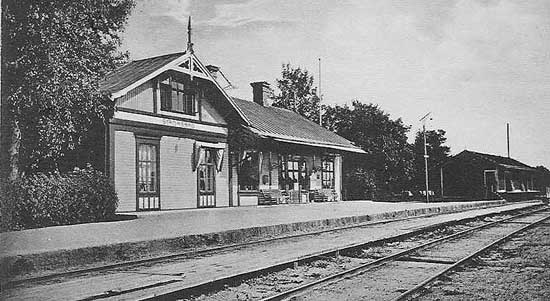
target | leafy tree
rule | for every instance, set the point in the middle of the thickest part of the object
(54, 53)
(437, 151)
(384, 140)
(297, 93)
(542, 181)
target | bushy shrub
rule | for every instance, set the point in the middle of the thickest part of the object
(360, 184)
(42, 200)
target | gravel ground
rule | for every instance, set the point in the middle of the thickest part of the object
(518, 270)
(266, 285)
(261, 287)
(377, 284)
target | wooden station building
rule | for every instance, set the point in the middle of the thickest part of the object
(178, 140)
(473, 175)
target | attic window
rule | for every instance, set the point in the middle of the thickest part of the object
(176, 97)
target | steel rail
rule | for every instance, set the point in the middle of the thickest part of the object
(420, 286)
(187, 254)
(364, 267)
(178, 292)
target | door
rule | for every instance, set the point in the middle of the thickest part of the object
(490, 183)
(207, 180)
(148, 195)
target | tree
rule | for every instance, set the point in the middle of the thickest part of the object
(437, 151)
(542, 180)
(384, 139)
(54, 54)
(297, 93)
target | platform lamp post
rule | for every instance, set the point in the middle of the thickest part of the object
(423, 120)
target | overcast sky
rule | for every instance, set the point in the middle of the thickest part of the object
(476, 65)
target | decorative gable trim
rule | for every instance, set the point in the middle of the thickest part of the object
(196, 69)
(150, 76)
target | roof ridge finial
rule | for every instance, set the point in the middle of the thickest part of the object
(189, 43)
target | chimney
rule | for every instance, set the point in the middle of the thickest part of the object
(213, 70)
(262, 93)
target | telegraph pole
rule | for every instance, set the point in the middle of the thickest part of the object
(423, 120)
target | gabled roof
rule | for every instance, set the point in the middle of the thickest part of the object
(276, 123)
(287, 126)
(134, 71)
(505, 162)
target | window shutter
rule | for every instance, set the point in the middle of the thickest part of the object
(198, 156)
(219, 159)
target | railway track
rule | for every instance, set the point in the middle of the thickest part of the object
(198, 291)
(192, 253)
(366, 281)
(208, 250)
(171, 289)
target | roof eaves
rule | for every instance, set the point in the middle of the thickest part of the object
(145, 78)
(507, 166)
(324, 145)
(229, 98)
(292, 139)
(170, 64)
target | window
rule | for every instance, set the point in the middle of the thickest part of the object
(148, 197)
(517, 185)
(327, 174)
(501, 181)
(174, 97)
(206, 177)
(249, 171)
(531, 183)
(293, 171)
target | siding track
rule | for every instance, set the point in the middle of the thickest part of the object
(172, 289)
(436, 257)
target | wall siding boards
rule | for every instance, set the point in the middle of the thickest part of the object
(140, 98)
(209, 113)
(338, 176)
(125, 170)
(234, 180)
(222, 183)
(178, 181)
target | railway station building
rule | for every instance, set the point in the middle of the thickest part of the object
(474, 175)
(178, 140)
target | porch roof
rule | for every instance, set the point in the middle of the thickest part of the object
(287, 126)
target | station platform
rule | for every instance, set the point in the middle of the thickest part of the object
(155, 234)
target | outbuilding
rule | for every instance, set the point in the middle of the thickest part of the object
(474, 175)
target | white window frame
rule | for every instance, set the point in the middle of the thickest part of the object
(196, 114)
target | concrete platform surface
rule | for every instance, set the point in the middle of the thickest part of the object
(153, 234)
(173, 224)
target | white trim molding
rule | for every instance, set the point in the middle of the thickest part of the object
(174, 65)
(170, 122)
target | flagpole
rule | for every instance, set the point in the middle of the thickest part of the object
(320, 96)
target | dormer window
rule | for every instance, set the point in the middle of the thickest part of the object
(176, 97)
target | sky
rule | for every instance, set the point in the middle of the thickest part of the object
(475, 65)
